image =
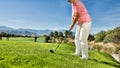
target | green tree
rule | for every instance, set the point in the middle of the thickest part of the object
(52, 38)
(91, 37)
(60, 34)
(3, 34)
(99, 37)
(47, 38)
(113, 35)
(116, 38)
(66, 33)
(56, 37)
(56, 34)
(109, 36)
(51, 34)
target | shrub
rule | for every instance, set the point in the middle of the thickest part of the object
(47, 38)
(99, 37)
(91, 37)
(113, 36)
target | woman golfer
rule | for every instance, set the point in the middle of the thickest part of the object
(81, 16)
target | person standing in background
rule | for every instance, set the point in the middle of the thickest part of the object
(0, 36)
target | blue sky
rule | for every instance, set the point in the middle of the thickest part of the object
(56, 14)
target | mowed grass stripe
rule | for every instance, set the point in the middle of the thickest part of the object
(25, 53)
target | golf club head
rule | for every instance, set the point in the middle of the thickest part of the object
(51, 51)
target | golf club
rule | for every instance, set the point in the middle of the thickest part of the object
(52, 51)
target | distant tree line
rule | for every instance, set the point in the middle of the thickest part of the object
(66, 36)
(102, 36)
(56, 37)
(12, 35)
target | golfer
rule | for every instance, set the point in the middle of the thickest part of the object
(81, 16)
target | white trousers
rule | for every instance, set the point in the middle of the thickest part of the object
(81, 36)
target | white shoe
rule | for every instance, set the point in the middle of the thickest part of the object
(84, 58)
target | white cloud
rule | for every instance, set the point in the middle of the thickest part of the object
(110, 18)
(113, 18)
(19, 21)
(15, 23)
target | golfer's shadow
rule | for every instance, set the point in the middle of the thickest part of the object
(103, 62)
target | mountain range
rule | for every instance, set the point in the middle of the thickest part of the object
(21, 31)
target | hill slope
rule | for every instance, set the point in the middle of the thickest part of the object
(24, 53)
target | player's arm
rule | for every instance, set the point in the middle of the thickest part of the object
(74, 20)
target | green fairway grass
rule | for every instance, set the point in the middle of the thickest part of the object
(25, 53)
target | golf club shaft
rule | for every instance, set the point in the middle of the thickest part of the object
(58, 46)
(61, 42)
